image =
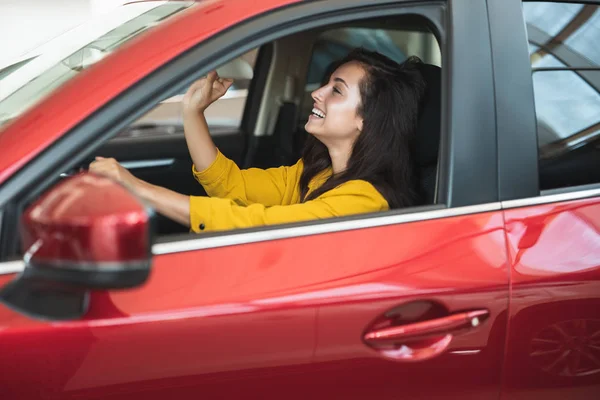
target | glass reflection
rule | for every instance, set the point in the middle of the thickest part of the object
(585, 40)
(550, 17)
(565, 58)
(565, 104)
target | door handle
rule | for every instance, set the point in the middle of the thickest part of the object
(425, 339)
(436, 326)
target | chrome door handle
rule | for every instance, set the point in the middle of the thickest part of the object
(436, 326)
(422, 340)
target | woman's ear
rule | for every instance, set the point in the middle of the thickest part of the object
(359, 124)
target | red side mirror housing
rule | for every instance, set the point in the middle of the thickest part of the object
(87, 232)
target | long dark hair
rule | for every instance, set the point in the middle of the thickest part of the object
(391, 96)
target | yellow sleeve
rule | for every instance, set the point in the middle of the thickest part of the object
(273, 186)
(353, 197)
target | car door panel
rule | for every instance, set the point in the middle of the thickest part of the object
(554, 338)
(457, 264)
(193, 330)
(242, 319)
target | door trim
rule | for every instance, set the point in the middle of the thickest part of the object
(320, 227)
(12, 267)
(551, 198)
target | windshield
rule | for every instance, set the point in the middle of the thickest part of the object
(43, 70)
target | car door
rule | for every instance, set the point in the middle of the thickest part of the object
(376, 305)
(427, 302)
(553, 222)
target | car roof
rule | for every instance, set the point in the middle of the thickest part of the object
(22, 139)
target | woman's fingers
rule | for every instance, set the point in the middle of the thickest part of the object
(205, 91)
(212, 76)
(202, 81)
(225, 83)
(106, 166)
(110, 168)
(198, 84)
(221, 86)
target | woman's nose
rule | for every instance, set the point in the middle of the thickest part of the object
(317, 95)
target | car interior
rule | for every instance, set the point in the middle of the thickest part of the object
(272, 92)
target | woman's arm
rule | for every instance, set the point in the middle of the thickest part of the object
(220, 176)
(353, 197)
(270, 187)
(198, 97)
(204, 213)
(173, 205)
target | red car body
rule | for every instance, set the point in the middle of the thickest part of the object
(289, 315)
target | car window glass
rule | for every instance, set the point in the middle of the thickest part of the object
(222, 116)
(565, 58)
(565, 101)
(586, 39)
(86, 45)
(550, 17)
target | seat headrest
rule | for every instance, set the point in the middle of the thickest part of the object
(427, 140)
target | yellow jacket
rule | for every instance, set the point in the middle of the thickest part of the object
(255, 197)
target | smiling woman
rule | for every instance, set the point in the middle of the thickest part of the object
(357, 161)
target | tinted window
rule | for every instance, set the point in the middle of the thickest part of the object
(565, 58)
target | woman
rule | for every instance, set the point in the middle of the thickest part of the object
(357, 158)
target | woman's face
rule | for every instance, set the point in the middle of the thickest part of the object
(334, 115)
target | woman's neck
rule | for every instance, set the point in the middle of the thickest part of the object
(339, 159)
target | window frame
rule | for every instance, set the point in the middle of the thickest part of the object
(457, 166)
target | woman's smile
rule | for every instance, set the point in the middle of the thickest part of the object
(316, 113)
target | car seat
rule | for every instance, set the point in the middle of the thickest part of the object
(427, 141)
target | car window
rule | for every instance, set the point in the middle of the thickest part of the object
(398, 45)
(64, 57)
(565, 58)
(222, 116)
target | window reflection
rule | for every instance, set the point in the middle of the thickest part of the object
(565, 104)
(564, 37)
(586, 40)
(550, 17)
(571, 37)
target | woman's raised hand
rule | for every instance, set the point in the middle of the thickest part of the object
(204, 92)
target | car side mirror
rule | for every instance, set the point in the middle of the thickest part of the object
(86, 233)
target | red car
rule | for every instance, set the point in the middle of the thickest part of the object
(490, 288)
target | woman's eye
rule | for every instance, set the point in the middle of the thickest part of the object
(336, 90)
